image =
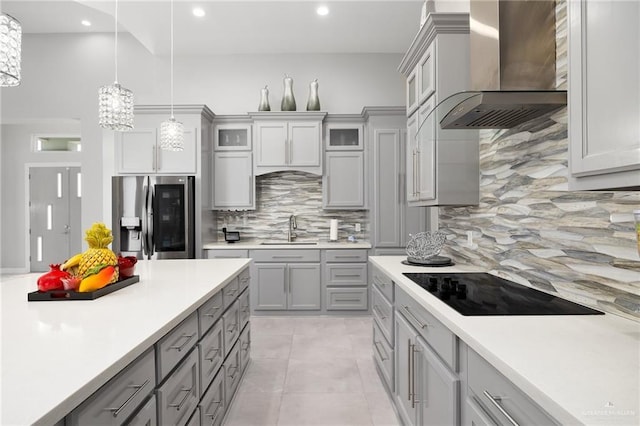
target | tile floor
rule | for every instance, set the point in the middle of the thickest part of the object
(311, 371)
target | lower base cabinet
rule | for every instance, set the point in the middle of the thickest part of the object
(427, 392)
(188, 377)
(281, 286)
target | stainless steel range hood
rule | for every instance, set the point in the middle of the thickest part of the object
(513, 66)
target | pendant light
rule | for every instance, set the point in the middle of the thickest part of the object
(115, 102)
(172, 131)
(10, 50)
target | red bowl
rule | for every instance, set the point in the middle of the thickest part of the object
(127, 266)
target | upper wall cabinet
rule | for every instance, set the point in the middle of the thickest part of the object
(138, 151)
(288, 141)
(344, 136)
(442, 166)
(604, 94)
(232, 137)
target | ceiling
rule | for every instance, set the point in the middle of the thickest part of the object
(238, 26)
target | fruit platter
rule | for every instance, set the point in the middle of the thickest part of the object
(88, 275)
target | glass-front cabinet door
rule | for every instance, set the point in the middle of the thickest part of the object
(344, 137)
(232, 137)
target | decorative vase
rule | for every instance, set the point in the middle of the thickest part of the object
(313, 104)
(288, 101)
(264, 100)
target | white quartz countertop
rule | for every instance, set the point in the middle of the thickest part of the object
(582, 369)
(57, 353)
(254, 245)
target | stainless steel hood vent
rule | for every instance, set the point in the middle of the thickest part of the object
(513, 65)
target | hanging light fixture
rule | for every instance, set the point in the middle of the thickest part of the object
(115, 102)
(171, 131)
(10, 50)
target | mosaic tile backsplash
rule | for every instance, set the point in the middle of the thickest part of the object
(529, 228)
(281, 194)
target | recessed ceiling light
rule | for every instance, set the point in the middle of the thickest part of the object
(85, 23)
(322, 10)
(199, 12)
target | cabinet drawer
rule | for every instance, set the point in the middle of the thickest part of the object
(211, 355)
(227, 254)
(175, 345)
(209, 313)
(501, 398)
(380, 280)
(212, 405)
(244, 309)
(120, 397)
(383, 313)
(231, 374)
(147, 415)
(286, 255)
(230, 292)
(245, 347)
(383, 356)
(178, 396)
(439, 337)
(346, 274)
(243, 279)
(351, 255)
(345, 298)
(231, 326)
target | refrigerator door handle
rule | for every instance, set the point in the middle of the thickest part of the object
(150, 213)
(145, 228)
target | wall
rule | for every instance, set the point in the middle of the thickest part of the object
(281, 194)
(16, 154)
(529, 228)
(61, 74)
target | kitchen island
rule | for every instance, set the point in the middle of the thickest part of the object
(56, 354)
(580, 369)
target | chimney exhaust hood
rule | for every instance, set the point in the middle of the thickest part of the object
(513, 66)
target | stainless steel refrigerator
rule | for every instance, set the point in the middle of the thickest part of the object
(153, 216)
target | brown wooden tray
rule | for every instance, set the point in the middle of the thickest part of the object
(58, 295)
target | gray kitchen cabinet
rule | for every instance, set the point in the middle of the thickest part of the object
(231, 368)
(497, 398)
(285, 280)
(175, 345)
(233, 181)
(213, 405)
(604, 138)
(392, 219)
(343, 185)
(231, 324)
(179, 395)
(347, 299)
(245, 348)
(344, 136)
(120, 397)
(383, 356)
(427, 392)
(442, 165)
(288, 141)
(210, 355)
(345, 284)
(231, 136)
(138, 151)
(226, 254)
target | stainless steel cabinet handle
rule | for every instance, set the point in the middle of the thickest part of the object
(214, 415)
(235, 369)
(379, 350)
(153, 157)
(137, 388)
(179, 348)
(409, 369)
(232, 328)
(495, 400)
(414, 401)
(377, 310)
(347, 300)
(232, 292)
(347, 275)
(346, 256)
(215, 354)
(408, 312)
(179, 405)
(245, 347)
(286, 257)
(378, 282)
(213, 309)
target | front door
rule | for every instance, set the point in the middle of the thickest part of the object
(54, 215)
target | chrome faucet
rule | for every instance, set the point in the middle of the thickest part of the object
(291, 236)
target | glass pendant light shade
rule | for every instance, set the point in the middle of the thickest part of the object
(115, 107)
(10, 50)
(171, 135)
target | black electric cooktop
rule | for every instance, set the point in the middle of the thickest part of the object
(484, 294)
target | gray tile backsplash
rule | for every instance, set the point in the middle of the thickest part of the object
(530, 228)
(281, 194)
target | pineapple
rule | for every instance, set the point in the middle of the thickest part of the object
(98, 237)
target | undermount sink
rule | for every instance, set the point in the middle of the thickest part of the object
(287, 243)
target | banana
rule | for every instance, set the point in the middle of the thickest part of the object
(73, 261)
